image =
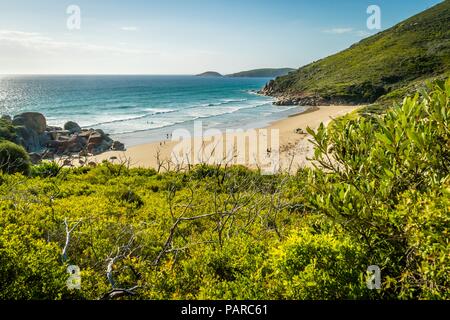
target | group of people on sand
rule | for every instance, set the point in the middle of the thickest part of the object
(168, 137)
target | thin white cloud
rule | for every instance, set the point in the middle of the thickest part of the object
(38, 53)
(363, 34)
(339, 30)
(129, 28)
(39, 42)
(20, 36)
(359, 33)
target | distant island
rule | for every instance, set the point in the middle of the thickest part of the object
(262, 73)
(210, 74)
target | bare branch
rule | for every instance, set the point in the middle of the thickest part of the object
(68, 232)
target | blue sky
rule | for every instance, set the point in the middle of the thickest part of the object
(183, 36)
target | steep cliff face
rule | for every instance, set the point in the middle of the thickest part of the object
(382, 67)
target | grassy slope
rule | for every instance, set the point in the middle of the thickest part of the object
(262, 73)
(387, 65)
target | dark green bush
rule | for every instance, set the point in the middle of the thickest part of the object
(129, 196)
(7, 131)
(14, 158)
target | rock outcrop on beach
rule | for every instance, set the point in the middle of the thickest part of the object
(72, 127)
(302, 99)
(30, 130)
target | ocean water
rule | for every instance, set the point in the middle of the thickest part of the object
(139, 109)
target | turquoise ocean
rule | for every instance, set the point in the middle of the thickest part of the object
(140, 109)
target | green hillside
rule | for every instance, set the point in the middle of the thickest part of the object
(382, 67)
(262, 73)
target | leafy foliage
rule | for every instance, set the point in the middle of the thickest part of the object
(379, 196)
(378, 173)
(46, 169)
(7, 131)
(13, 158)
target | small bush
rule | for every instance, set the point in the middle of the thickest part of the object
(7, 131)
(131, 197)
(147, 172)
(46, 170)
(14, 158)
(319, 266)
(154, 188)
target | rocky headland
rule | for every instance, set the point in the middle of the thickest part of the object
(302, 98)
(42, 141)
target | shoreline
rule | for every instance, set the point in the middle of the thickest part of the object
(294, 147)
(309, 110)
(146, 136)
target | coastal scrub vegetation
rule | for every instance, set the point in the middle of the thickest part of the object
(379, 195)
(14, 158)
(7, 131)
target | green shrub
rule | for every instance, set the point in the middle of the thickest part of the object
(46, 170)
(371, 165)
(150, 172)
(7, 131)
(14, 158)
(319, 266)
(427, 269)
(131, 197)
(30, 268)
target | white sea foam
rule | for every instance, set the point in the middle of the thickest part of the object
(126, 118)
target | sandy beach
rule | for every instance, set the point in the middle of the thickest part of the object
(294, 147)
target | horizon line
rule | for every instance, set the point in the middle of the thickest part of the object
(110, 74)
(135, 74)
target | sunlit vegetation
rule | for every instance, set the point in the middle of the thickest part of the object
(380, 195)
